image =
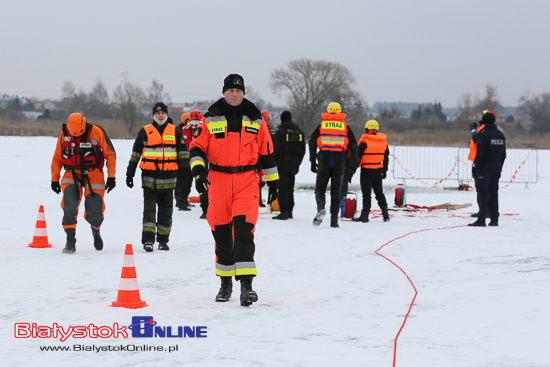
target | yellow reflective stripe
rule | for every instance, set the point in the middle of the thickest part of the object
(246, 271)
(337, 125)
(169, 137)
(216, 126)
(272, 177)
(197, 162)
(254, 125)
(149, 229)
(225, 273)
(160, 154)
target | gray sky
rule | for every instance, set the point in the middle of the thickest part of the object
(402, 50)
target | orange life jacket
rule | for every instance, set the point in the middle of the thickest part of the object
(160, 154)
(473, 146)
(333, 132)
(81, 152)
(373, 156)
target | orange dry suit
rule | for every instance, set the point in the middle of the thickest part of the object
(235, 141)
(83, 158)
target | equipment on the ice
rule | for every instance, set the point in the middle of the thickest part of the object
(128, 293)
(372, 125)
(319, 217)
(226, 289)
(348, 206)
(248, 295)
(40, 238)
(400, 198)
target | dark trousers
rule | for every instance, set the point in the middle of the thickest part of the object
(287, 179)
(325, 173)
(367, 186)
(183, 188)
(160, 225)
(487, 196)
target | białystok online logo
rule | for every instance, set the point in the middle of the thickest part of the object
(141, 327)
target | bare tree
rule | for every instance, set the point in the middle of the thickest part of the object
(465, 105)
(68, 90)
(491, 100)
(537, 107)
(128, 101)
(312, 85)
(156, 93)
(254, 96)
(98, 101)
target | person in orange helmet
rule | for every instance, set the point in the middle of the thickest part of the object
(236, 142)
(82, 149)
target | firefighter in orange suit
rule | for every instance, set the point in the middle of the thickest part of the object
(475, 131)
(162, 151)
(333, 137)
(236, 143)
(373, 154)
(82, 149)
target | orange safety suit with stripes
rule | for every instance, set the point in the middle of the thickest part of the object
(83, 158)
(236, 143)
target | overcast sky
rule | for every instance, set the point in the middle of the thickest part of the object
(403, 50)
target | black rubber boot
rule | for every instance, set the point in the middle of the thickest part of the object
(290, 215)
(98, 242)
(281, 216)
(385, 214)
(319, 217)
(364, 217)
(70, 246)
(248, 296)
(148, 246)
(225, 290)
(203, 216)
(163, 246)
(493, 223)
(477, 224)
(334, 221)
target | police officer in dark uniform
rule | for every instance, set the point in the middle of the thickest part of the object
(486, 169)
(290, 148)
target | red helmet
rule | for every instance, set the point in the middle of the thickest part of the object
(195, 115)
(266, 115)
(76, 124)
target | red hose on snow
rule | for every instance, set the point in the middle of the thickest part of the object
(403, 271)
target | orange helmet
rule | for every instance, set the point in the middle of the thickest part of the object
(195, 115)
(76, 124)
(185, 117)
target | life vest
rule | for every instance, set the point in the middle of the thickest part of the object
(333, 132)
(81, 152)
(160, 154)
(187, 134)
(373, 156)
(473, 146)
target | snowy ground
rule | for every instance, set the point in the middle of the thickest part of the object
(325, 297)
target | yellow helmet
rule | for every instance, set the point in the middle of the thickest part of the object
(334, 107)
(371, 125)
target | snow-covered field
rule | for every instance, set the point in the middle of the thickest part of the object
(325, 297)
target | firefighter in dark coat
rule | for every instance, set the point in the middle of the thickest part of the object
(486, 169)
(290, 148)
(333, 137)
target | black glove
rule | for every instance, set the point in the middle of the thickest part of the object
(384, 174)
(201, 183)
(273, 193)
(56, 187)
(473, 126)
(110, 184)
(314, 167)
(129, 181)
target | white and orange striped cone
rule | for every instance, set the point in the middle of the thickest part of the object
(40, 239)
(128, 291)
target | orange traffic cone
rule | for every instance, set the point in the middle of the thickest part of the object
(40, 239)
(128, 291)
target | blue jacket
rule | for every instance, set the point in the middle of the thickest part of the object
(491, 150)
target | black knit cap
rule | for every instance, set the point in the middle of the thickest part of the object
(233, 81)
(488, 118)
(159, 106)
(286, 116)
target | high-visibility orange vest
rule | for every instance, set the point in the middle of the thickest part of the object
(334, 132)
(473, 146)
(160, 154)
(373, 156)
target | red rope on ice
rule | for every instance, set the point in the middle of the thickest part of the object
(415, 291)
(425, 183)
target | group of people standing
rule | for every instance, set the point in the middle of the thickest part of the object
(229, 151)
